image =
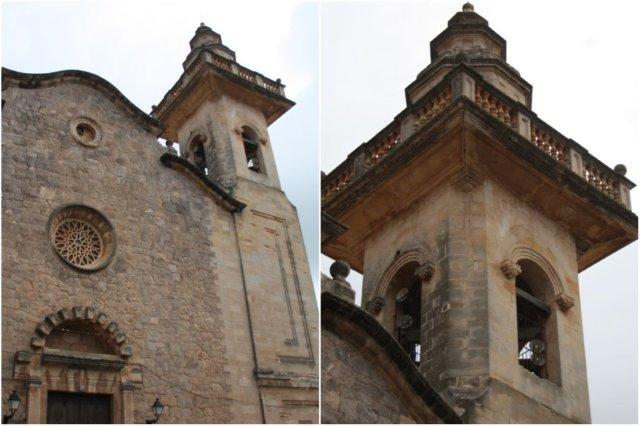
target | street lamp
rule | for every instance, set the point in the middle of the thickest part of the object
(156, 408)
(14, 403)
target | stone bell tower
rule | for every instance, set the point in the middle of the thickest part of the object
(470, 219)
(218, 113)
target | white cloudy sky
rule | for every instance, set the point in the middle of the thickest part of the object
(582, 60)
(139, 47)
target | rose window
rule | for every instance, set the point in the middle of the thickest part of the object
(78, 242)
(82, 237)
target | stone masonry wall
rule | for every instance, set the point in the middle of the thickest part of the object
(354, 390)
(163, 285)
(280, 292)
(513, 223)
(454, 341)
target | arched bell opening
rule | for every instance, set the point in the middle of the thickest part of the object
(402, 309)
(538, 350)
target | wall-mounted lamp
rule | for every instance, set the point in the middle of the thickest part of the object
(156, 408)
(14, 403)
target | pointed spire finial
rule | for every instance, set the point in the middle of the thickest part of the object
(467, 7)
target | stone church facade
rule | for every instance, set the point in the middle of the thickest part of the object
(131, 271)
(470, 219)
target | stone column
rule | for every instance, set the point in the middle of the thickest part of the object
(576, 162)
(463, 85)
(34, 400)
(127, 403)
(524, 126)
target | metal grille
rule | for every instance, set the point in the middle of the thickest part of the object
(408, 321)
(531, 344)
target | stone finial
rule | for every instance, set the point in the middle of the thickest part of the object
(510, 269)
(339, 270)
(338, 284)
(375, 305)
(169, 144)
(564, 301)
(620, 169)
(467, 7)
(425, 271)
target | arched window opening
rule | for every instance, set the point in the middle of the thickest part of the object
(401, 312)
(408, 320)
(199, 156)
(537, 336)
(251, 150)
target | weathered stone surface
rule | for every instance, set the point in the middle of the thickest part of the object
(189, 278)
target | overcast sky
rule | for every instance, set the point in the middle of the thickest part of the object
(581, 58)
(139, 47)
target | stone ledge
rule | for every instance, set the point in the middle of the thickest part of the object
(60, 356)
(180, 164)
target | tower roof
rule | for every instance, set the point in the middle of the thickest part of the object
(210, 70)
(468, 118)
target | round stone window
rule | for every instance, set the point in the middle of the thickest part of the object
(85, 131)
(82, 237)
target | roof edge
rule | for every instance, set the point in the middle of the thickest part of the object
(11, 78)
(180, 164)
(393, 350)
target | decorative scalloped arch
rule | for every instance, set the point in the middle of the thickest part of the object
(419, 256)
(523, 252)
(111, 329)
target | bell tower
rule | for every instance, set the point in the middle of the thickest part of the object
(470, 219)
(218, 113)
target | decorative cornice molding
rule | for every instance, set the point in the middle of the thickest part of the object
(178, 163)
(11, 78)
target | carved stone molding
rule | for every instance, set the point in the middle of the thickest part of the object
(425, 271)
(99, 320)
(510, 269)
(564, 301)
(375, 305)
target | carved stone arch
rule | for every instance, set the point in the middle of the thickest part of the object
(72, 369)
(425, 269)
(260, 136)
(109, 330)
(526, 253)
(511, 269)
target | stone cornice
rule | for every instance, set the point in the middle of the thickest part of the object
(12, 78)
(222, 196)
(188, 80)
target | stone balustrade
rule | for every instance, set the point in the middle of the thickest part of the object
(337, 184)
(516, 116)
(382, 147)
(226, 65)
(550, 145)
(492, 104)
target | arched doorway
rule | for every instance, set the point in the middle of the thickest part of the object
(79, 370)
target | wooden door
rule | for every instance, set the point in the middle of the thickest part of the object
(67, 407)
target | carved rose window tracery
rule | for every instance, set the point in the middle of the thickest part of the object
(78, 242)
(82, 237)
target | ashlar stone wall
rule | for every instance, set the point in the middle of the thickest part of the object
(468, 314)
